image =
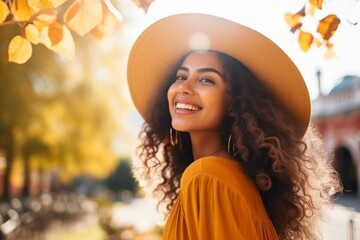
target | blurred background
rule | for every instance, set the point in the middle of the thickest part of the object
(68, 129)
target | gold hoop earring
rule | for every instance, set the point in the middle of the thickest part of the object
(174, 139)
(229, 143)
(230, 146)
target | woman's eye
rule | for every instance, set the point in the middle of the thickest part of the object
(207, 80)
(180, 78)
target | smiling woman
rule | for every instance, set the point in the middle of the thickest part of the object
(198, 97)
(227, 126)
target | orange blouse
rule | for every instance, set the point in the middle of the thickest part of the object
(217, 201)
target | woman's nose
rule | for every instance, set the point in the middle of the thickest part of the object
(185, 87)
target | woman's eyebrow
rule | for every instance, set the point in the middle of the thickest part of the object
(203, 70)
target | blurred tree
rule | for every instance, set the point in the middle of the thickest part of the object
(122, 178)
(16, 93)
(60, 115)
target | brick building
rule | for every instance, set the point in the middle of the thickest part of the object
(337, 116)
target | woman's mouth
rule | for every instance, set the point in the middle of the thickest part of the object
(187, 107)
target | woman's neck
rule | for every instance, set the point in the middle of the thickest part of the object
(207, 144)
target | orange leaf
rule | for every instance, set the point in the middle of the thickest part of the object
(56, 33)
(4, 11)
(45, 18)
(294, 20)
(316, 3)
(83, 15)
(110, 18)
(65, 47)
(20, 50)
(42, 4)
(144, 4)
(305, 40)
(72, 11)
(328, 26)
(21, 10)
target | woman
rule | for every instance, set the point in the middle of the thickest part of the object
(227, 127)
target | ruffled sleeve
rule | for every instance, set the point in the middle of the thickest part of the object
(213, 210)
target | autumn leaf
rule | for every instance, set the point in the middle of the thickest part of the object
(144, 4)
(21, 10)
(316, 3)
(294, 20)
(305, 40)
(45, 18)
(4, 11)
(41, 4)
(48, 15)
(32, 34)
(110, 18)
(56, 33)
(328, 26)
(83, 15)
(20, 50)
(312, 10)
(65, 46)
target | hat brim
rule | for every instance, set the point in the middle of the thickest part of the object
(158, 49)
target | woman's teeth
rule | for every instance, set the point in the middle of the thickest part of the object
(187, 107)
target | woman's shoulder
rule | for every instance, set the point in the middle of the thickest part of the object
(215, 175)
(216, 168)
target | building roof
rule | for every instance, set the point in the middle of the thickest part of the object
(342, 99)
(346, 83)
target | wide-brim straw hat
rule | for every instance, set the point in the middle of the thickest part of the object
(159, 47)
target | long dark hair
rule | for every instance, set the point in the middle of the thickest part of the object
(293, 172)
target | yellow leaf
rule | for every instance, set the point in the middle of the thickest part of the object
(294, 21)
(44, 36)
(45, 18)
(316, 3)
(4, 11)
(56, 33)
(47, 15)
(32, 33)
(328, 26)
(21, 10)
(305, 40)
(83, 15)
(20, 50)
(65, 47)
(45, 3)
(110, 19)
(312, 10)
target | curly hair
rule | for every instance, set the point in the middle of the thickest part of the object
(293, 173)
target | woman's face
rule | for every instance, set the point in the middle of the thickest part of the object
(198, 98)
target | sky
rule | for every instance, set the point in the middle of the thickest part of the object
(267, 17)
